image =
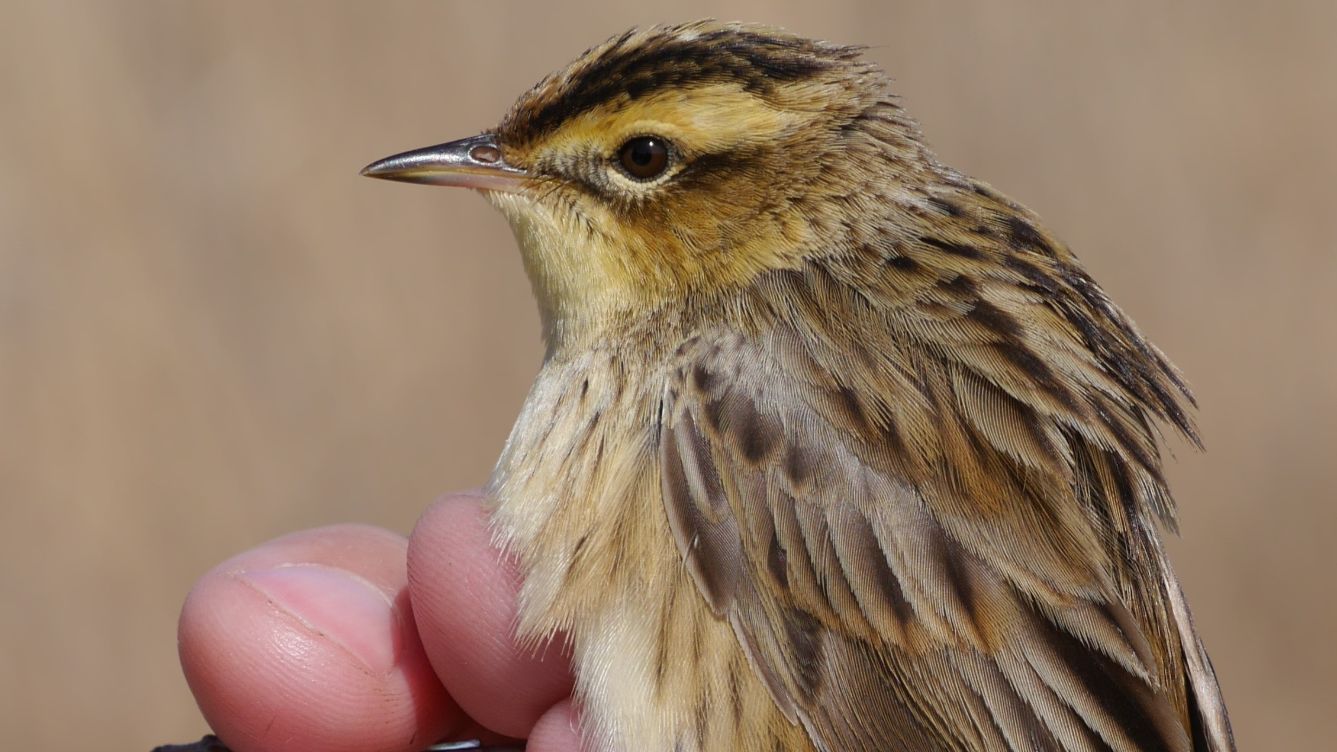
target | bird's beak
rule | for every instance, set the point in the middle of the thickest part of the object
(475, 162)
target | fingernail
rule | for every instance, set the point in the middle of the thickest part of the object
(336, 604)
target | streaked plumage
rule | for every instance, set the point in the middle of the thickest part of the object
(834, 448)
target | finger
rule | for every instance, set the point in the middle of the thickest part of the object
(308, 642)
(464, 597)
(557, 730)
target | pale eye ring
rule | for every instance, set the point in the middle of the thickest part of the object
(644, 157)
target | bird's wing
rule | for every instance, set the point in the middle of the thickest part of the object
(956, 599)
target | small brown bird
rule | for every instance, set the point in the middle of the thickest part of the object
(833, 447)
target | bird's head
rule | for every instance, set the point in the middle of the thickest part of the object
(676, 161)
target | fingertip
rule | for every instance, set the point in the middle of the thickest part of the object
(308, 642)
(557, 730)
(464, 596)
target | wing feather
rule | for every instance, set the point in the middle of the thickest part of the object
(872, 622)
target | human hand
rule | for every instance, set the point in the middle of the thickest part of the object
(309, 642)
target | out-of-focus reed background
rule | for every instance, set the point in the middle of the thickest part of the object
(212, 331)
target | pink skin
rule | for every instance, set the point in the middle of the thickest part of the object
(310, 642)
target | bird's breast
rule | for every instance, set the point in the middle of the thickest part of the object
(576, 488)
(577, 501)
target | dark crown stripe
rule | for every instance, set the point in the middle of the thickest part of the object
(634, 66)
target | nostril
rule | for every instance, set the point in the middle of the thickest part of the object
(485, 153)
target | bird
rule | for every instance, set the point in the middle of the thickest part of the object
(833, 447)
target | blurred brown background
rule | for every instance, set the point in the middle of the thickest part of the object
(212, 331)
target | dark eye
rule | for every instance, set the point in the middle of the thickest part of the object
(644, 157)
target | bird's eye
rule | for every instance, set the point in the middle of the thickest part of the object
(644, 157)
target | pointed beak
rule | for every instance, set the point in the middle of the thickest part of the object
(474, 162)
